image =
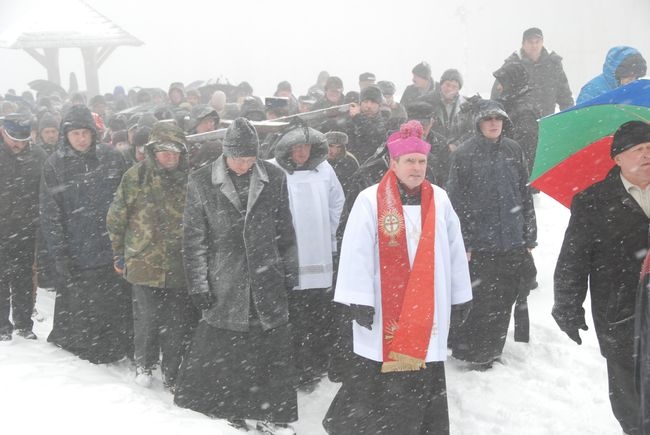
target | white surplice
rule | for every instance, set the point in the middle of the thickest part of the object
(358, 279)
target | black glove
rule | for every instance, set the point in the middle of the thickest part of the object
(462, 311)
(570, 324)
(202, 301)
(362, 314)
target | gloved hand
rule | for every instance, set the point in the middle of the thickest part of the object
(570, 324)
(462, 311)
(118, 264)
(202, 301)
(362, 314)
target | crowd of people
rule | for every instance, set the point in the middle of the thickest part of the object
(364, 241)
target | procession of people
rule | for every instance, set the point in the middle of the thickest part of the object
(250, 248)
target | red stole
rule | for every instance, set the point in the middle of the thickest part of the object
(407, 296)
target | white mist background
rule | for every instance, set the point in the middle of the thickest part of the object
(265, 42)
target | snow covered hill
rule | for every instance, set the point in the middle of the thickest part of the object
(548, 386)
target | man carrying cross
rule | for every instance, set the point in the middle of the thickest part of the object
(402, 267)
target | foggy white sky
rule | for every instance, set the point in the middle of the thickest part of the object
(265, 42)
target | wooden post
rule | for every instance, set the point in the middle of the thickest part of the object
(92, 77)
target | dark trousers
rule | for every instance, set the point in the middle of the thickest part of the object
(405, 403)
(93, 317)
(16, 259)
(310, 312)
(497, 281)
(162, 323)
(623, 396)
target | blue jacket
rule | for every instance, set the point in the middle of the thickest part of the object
(606, 81)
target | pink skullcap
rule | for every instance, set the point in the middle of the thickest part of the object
(407, 140)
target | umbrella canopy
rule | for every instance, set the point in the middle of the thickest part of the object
(573, 147)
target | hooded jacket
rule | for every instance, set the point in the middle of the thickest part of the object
(76, 192)
(145, 222)
(489, 191)
(606, 81)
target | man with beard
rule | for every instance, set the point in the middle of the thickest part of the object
(92, 312)
(20, 173)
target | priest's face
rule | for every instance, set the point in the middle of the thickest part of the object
(410, 169)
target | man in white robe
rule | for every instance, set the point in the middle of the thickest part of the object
(316, 201)
(387, 392)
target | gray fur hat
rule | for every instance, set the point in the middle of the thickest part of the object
(336, 137)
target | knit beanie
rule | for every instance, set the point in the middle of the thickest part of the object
(48, 120)
(423, 70)
(407, 140)
(241, 139)
(451, 75)
(628, 135)
(371, 93)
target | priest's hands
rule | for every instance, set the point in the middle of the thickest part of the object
(363, 315)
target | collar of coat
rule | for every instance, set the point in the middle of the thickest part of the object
(612, 187)
(259, 178)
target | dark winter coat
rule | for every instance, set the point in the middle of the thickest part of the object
(606, 81)
(366, 134)
(412, 93)
(518, 100)
(240, 254)
(20, 177)
(344, 167)
(642, 344)
(455, 127)
(603, 250)
(76, 192)
(488, 188)
(548, 81)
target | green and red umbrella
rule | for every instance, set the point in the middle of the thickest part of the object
(573, 147)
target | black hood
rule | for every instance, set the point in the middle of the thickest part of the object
(77, 117)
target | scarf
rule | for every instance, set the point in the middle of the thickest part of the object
(407, 295)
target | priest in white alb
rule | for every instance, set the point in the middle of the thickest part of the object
(402, 269)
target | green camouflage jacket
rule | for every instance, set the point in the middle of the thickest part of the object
(145, 224)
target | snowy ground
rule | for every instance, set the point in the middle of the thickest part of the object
(548, 386)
